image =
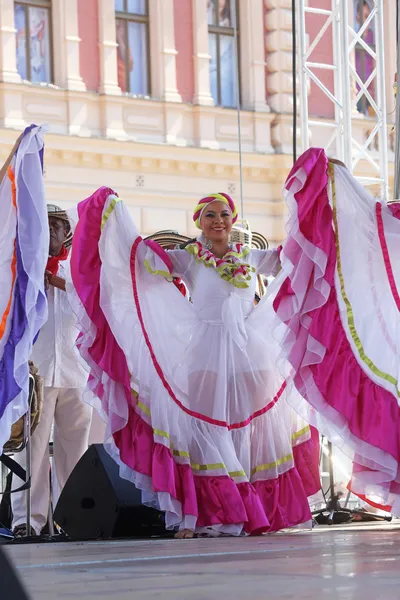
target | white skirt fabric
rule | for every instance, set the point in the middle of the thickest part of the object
(197, 421)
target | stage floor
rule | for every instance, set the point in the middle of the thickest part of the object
(357, 562)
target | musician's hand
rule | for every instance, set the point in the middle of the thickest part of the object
(47, 276)
(335, 161)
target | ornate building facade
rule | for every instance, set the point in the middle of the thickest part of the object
(139, 95)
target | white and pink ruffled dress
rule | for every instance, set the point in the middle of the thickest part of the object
(196, 411)
(338, 310)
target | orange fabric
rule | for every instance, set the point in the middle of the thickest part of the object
(11, 177)
(4, 318)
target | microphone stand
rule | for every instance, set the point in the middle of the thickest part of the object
(336, 513)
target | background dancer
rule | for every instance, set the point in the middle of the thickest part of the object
(64, 381)
(196, 411)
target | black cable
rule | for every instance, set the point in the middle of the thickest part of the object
(294, 90)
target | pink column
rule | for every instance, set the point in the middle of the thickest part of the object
(183, 21)
(88, 24)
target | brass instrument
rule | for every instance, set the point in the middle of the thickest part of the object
(16, 441)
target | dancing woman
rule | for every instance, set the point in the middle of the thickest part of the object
(196, 411)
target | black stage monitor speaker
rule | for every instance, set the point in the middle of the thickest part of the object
(10, 585)
(97, 503)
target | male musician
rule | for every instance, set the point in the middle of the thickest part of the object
(64, 380)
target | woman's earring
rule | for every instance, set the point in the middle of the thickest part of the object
(209, 245)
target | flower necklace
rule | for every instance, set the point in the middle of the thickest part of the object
(230, 267)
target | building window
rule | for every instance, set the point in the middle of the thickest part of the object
(33, 25)
(221, 42)
(365, 63)
(132, 22)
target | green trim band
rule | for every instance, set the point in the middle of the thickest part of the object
(349, 309)
(109, 210)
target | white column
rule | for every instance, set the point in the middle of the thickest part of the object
(8, 47)
(66, 45)
(201, 56)
(111, 106)
(252, 56)
(162, 51)
(204, 112)
(278, 34)
(108, 48)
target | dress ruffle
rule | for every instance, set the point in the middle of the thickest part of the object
(348, 401)
(265, 505)
(228, 470)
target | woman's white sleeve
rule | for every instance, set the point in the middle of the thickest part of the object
(266, 262)
(180, 262)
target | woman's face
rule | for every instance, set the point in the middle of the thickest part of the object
(216, 222)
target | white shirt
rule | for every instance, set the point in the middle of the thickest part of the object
(54, 352)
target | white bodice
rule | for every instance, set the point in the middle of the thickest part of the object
(215, 300)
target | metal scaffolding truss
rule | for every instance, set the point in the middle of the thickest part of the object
(349, 88)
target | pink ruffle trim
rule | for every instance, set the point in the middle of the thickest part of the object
(364, 414)
(267, 505)
(161, 253)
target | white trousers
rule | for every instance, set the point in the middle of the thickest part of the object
(97, 431)
(72, 419)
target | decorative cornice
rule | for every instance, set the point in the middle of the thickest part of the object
(153, 158)
(128, 157)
